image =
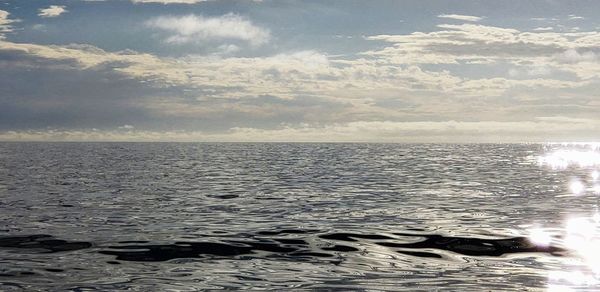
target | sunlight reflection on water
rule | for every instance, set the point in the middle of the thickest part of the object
(580, 233)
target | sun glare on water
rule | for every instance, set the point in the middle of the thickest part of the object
(580, 235)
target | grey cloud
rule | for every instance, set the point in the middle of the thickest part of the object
(38, 93)
(494, 49)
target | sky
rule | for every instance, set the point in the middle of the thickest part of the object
(300, 71)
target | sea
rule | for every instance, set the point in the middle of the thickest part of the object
(299, 217)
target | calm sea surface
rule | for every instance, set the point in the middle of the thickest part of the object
(377, 217)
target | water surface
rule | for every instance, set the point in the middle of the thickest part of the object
(195, 216)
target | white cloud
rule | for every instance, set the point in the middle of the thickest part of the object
(193, 28)
(52, 11)
(4, 20)
(465, 43)
(573, 56)
(5, 23)
(461, 17)
(546, 28)
(471, 40)
(533, 71)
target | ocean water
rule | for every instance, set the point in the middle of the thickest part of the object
(277, 216)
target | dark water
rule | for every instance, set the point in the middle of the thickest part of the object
(188, 217)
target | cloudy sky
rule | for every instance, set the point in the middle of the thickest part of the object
(283, 70)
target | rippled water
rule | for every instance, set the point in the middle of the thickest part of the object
(187, 216)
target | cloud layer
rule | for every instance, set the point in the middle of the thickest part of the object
(453, 82)
(382, 131)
